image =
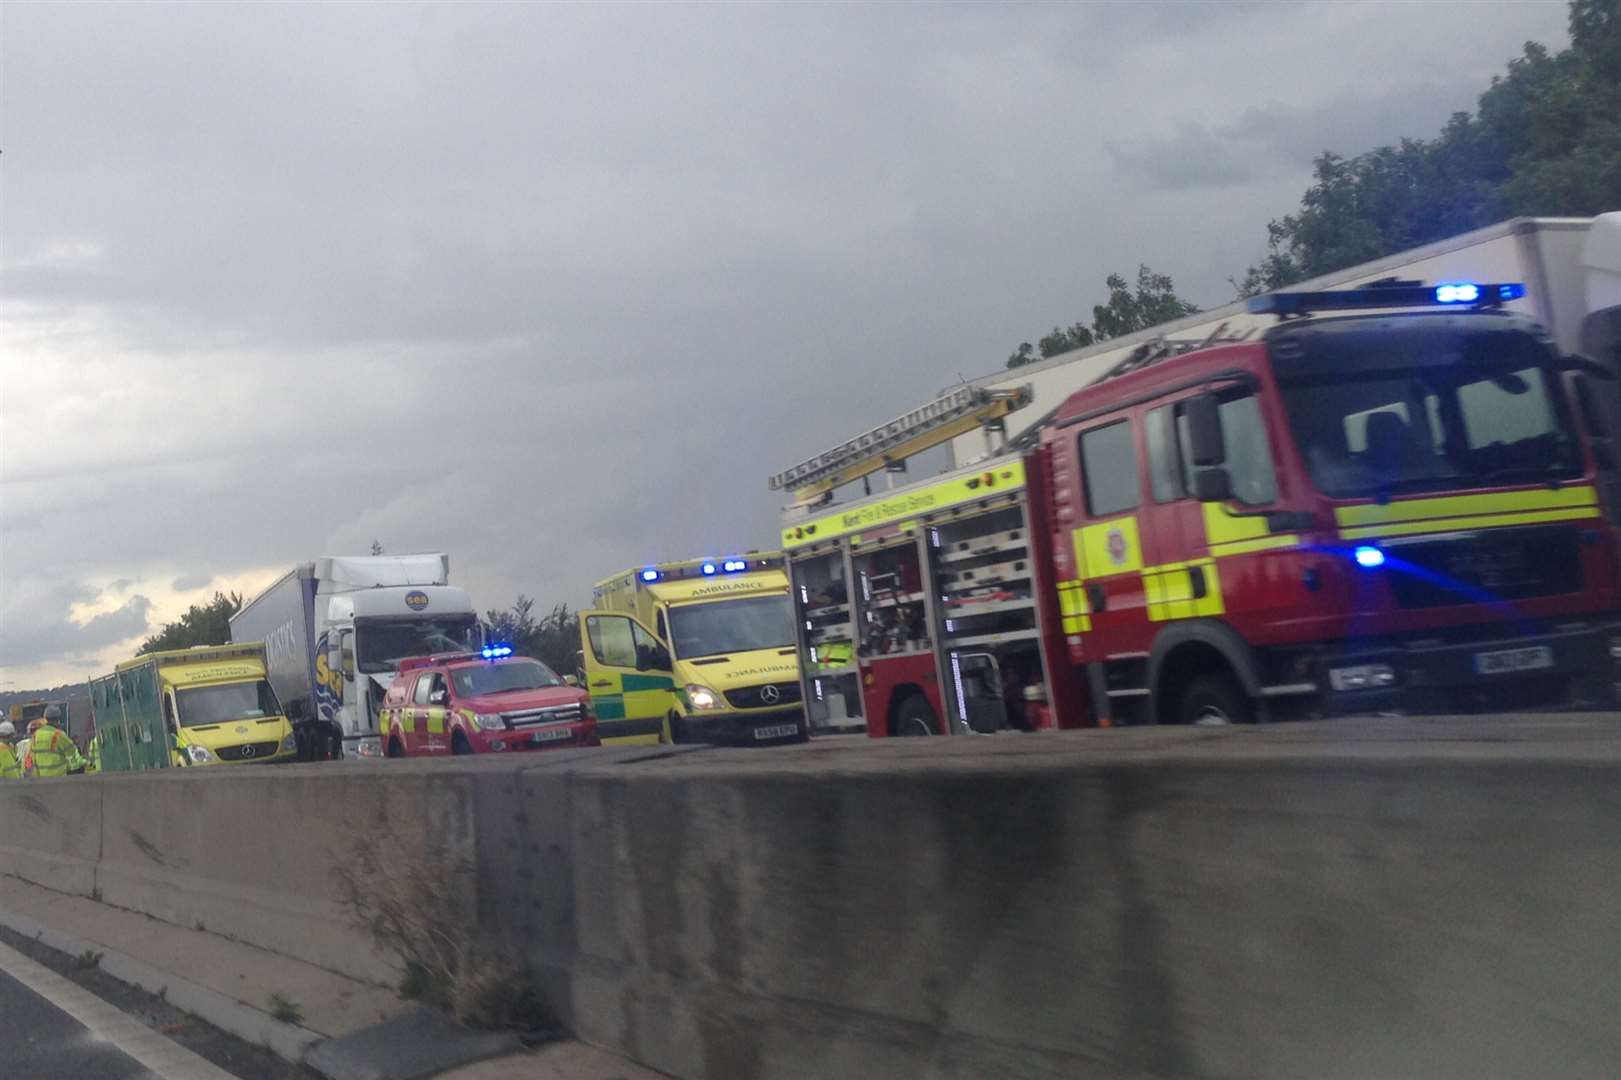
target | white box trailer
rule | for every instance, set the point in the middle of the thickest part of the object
(1571, 268)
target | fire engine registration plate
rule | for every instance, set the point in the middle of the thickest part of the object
(551, 735)
(776, 731)
(1490, 663)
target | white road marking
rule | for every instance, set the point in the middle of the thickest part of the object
(165, 1057)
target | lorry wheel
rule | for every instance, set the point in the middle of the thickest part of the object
(915, 717)
(1213, 699)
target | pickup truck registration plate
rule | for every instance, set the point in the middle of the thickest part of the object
(776, 731)
(1529, 659)
(551, 735)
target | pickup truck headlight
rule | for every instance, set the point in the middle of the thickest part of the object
(199, 755)
(488, 721)
(703, 699)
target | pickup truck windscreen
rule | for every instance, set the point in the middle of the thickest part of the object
(1444, 412)
(500, 678)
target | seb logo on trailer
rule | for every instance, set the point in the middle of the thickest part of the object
(1385, 508)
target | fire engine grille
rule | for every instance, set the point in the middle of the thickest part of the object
(252, 751)
(556, 714)
(1496, 564)
(757, 697)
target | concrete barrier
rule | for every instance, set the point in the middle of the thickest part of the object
(1379, 898)
(52, 833)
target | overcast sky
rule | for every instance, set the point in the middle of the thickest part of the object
(555, 288)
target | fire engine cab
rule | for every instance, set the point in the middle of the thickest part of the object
(1390, 500)
(485, 701)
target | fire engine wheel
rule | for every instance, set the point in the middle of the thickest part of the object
(460, 745)
(915, 717)
(395, 748)
(1215, 699)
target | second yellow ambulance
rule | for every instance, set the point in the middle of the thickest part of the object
(695, 651)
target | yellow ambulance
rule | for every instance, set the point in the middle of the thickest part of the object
(695, 651)
(218, 706)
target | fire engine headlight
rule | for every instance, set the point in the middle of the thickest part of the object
(199, 755)
(1361, 677)
(702, 698)
(488, 721)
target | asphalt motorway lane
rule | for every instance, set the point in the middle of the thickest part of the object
(38, 1041)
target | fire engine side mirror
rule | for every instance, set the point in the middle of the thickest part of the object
(1212, 485)
(1204, 431)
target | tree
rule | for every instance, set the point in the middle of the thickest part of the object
(1127, 312)
(1545, 139)
(376, 547)
(553, 638)
(202, 624)
(1154, 302)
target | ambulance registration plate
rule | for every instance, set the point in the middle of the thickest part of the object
(776, 731)
(1531, 659)
(551, 735)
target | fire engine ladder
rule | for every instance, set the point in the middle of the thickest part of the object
(1144, 355)
(887, 446)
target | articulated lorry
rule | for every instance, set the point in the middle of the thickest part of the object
(334, 631)
(207, 705)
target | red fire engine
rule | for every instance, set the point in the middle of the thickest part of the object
(1397, 508)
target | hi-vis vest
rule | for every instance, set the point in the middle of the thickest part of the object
(50, 752)
(9, 768)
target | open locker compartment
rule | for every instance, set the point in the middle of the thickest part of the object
(827, 638)
(996, 671)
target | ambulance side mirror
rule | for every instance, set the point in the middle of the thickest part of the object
(1205, 445)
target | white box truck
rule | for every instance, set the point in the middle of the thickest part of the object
(335, 628)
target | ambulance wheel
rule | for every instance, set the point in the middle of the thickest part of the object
(1215, 699)
(674, 730)
(915, 717)
(460, 745)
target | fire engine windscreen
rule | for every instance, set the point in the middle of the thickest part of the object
(729, 626)
(500, 678)
(384, 642)
(1426, 410)
(204, 705)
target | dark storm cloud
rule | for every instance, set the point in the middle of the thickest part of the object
(555, 287)
(43, 631)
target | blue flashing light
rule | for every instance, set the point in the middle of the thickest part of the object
(1369, 557)
(732, 566)
(650, 574)
(1386, 295)
(709, 568)
(495, 652)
